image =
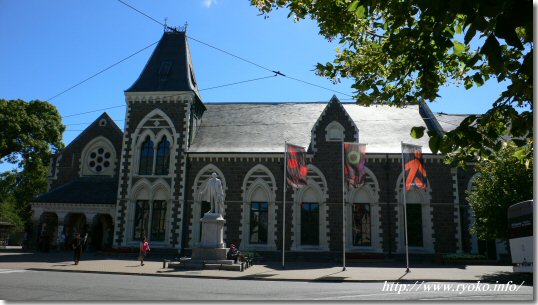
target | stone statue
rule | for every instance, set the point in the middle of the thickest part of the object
(216, 195)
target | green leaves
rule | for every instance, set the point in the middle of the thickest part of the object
(497, 185)
(29, 130)
(402, 52)
(459, 48)
(417, 132)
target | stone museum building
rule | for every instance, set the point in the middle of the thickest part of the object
(145, 178)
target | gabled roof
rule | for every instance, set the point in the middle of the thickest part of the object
(95, 124)
(91, 190)
(169, 67)
(449, 121)
(258, 127)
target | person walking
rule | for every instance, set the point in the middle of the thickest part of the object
(77, 248)
(144, 249)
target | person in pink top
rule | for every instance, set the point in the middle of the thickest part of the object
(144, 249)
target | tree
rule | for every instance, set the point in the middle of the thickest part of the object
(29, 134)
(401, 52)
(500, 183)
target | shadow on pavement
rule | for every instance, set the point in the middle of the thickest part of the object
(505, 277)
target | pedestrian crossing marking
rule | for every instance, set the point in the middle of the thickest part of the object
(4, 271)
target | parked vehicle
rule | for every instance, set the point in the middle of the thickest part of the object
(520, 216)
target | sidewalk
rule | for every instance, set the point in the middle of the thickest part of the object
(293, 271)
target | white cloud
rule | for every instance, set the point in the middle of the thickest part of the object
(209, 3)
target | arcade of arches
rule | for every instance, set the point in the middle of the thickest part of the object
(49, 224)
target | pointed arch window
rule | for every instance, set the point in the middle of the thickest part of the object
(163, 157)
(361, 225)
(310, 223)
(141, 219)
(259, 222)
(146, 157)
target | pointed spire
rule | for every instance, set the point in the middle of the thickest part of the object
(169, 67)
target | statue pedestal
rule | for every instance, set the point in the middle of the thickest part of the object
(212, 231)
(212, 245)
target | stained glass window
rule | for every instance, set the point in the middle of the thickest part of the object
(361, 225)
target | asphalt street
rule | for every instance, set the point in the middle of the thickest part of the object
(29, 285)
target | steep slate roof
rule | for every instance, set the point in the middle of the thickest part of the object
(449, 121)
(95, 190)
(258, 128)
(169, 67)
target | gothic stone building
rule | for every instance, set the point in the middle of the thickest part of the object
(146, 179)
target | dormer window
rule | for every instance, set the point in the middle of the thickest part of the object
(164, 70)
(334, 132)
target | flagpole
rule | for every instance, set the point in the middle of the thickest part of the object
(343, 214)
(405, 212)
(284, 202)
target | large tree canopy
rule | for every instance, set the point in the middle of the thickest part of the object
(29, 130)
(29, 134)
(500, 184)
(401, 52)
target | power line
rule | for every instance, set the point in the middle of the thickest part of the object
(233, 55)
(81, 113)
(172, 95)
(237, 83)
(105, 69)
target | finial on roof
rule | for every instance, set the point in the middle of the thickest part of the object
(165, 23)
(186, 25)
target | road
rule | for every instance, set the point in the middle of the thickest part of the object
(28, 285)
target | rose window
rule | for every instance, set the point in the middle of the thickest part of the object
(99, 160)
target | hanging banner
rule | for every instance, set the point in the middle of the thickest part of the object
(354, 160)
(296, 166)
(415, 173)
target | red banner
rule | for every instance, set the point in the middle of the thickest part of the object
(296, 166)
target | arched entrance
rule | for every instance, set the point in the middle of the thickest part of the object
(75, 223)
(48, 231)
(102, 231)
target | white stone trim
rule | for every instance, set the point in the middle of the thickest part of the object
(134, 195)
(337, 128)
(334, 99)
(140, 135)
(457, 218)
(427, 219)
(198, 185)
(98, 142)
(316, 181)
(371, 189)
(474, 237)
(158, 96)
(270, 193)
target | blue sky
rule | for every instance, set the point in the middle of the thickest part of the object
(49, 46)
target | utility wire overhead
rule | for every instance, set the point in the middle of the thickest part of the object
(105, 69)
(233, 55)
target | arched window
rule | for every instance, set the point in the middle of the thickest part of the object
(361, 224)
(163, 157)
(258, 222)
(141, 219)
(146, 157)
